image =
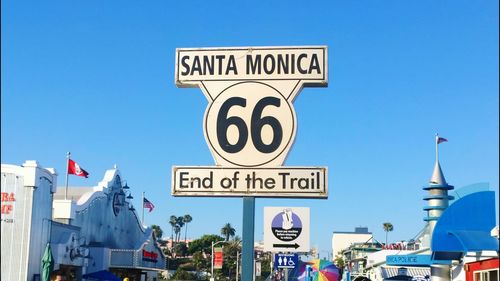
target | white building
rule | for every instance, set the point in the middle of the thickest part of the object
(26, 218)
(341, 240)
(458, 242)
(92, 232)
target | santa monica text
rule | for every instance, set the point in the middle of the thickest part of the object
(251, 64)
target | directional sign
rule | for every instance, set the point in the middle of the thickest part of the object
(285, 260)
(286, 229)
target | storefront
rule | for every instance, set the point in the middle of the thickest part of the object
(91, 231)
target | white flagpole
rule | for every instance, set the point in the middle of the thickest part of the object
(67, 168)
(142, 208)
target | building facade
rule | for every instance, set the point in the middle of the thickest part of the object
(341, 240)
(26, 218)
(92, 232)
(459, 241)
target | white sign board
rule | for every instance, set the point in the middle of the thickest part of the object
(307, 182)
(250, 121)
(301, 63)
(286, 229)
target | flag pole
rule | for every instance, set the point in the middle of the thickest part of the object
(143, 208)
(437, 152)
(67, 168)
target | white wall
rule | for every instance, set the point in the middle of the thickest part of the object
(25, 237)
(341, 241)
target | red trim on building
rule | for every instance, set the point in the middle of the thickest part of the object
(472, 267)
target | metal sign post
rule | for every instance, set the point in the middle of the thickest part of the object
(247, 256)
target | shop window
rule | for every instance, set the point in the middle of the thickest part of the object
(494, 275)
(486, 275)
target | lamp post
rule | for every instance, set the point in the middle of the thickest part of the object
(212, 258)
(237, 264)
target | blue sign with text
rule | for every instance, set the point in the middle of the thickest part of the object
(286, 260)
(411, 260)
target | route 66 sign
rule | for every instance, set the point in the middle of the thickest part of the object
(250, 120)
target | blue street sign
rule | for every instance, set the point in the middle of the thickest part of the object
(412, 260)
(286, 260)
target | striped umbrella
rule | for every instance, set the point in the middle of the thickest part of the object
(320, 270)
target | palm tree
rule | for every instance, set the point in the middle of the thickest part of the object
(157, 231)
(173, 223)
(387, 228)
(186, 219)
(177, 230)
(237, 239)
(180, 224)
(228, 231)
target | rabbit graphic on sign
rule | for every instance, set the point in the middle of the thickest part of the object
(286, 226)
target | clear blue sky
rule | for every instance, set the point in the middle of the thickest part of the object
(97, 78)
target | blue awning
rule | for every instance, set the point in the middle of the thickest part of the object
(475, 241)
(465, 227)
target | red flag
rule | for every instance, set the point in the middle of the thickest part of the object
(74, 169)
(440, 140)
(148, 205)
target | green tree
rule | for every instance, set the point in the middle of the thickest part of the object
(237, 239)
(227, 231)
(167, 252)
(180, 249)
(157, 231)
(181, 274)
(339, 261)
(265, 265)
(186, 219)
(201, 261)
(388, 227)
(231, 251)
(204, 244)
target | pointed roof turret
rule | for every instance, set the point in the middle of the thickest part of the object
(437, 175)
(438, 198)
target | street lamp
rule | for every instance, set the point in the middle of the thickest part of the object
(238, 254)
(212, 257)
